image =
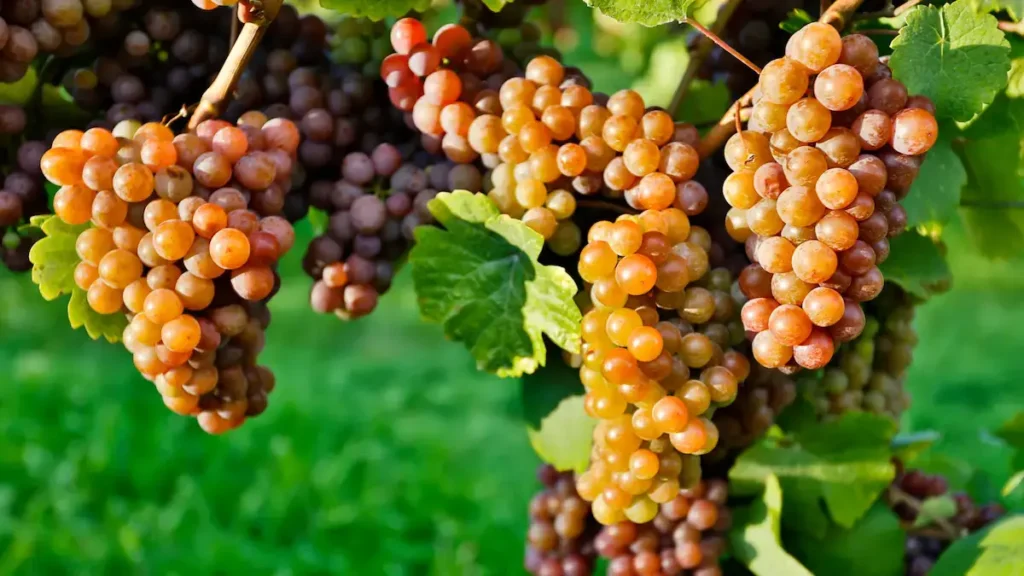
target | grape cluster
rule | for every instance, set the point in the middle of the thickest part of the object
(150, 61)
(764, 395)
(544, 136)
(30, 28)
(22, 194)
(869, 375)
(560, 540)
(815, 191)
(374, 209)
(641, 372)
(360, 43)
(926, 544)
(156, 256)
(687, 537)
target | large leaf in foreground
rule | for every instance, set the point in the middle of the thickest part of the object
(917, 265)
(480, 278)
(646, 12)
(755, 536)
(875, 546)
(955, 55)
(845, 464)
(565, 436)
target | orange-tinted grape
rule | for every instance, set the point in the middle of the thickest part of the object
(592, 121)
(572, 159)
(670, 415)
(597, 260)
(229, 249)
(769, 352)
(85, 275)
(625, 237)
(133, 182)
(73, 204)
(103, 298)
(839, 87)
(836, 188)
(181, 334)
(162, 306)
(93, 244)
(98, 173)
(783, 81)
(763, 219)
(119, 268)
(808, 120)
(824, 306)
(914, 131)
(63, 166)
(816, 46)
(747, 150)
(814, 262)
(787, 288)
(837, 230)
(799, 206)
(618, 131)
(789, 325)
(816, 351)
(756, 313)
(620, 325)
(160, 154)
(172, 239)
(775, 254)
(656, 191)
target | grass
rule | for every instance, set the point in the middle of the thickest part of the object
(384, 451)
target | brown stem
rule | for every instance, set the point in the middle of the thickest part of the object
(837, 15)
(898, 496)
(261, 14)
(887, 12)
(823, 6)
(605, 205)
(905, 6)
(722, 44)
(698, 54)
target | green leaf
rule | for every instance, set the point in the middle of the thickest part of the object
(755, 536)
(1013, 483)
(907, 447)
(565, 436)
(646, 12)
(954, 55)
(845, 463)
(1015, 84)
(875, 546)
(935, 508)
(1015, 8)
(480, 278)
(54, 257)
(993, 232)
(935, 194)
(377, 9)
(109, 326)
(916, 264)
(961, 555)
(1002, 550)
(796, 20)
(1012, 431)
(318, 220)
(546, 388)
(495, 5)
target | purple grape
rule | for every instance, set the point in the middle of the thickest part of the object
(357, 168)
(368, 214)
(386, 159)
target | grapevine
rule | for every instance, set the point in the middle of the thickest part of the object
(713, 324)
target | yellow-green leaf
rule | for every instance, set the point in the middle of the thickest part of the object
(565, 436)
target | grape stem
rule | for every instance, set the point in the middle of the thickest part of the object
(879, 32)
(905, 6)
(259, 16)
(722, 44)
(699, 56)
(837, 16)
(946, 531)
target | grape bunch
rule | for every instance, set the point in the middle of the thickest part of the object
(21, 194)
(926, 544)
(374, 209)
(641, 372)
(687, 537)
(183, 238)
(560, 540)
(869, 375)
(815, 188)
(31, 28)
(360, 43)
(764, 395)
(150, 61)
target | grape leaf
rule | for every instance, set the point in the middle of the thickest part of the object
(480, 278)
(1015, 84)
(874, 545)
(1013, 483)
(377, 9)
(961, 554)
(109, 326)
(796, 20)
(907, 447)
(546, 388)
(916, 264)
(1002, 550)
(935, 508)
(1015, 8)
(755, 536)
(54, 259)
(846, 463)
(935, 194)
(993, 232)
(1012, 431)
(645, 12)
(495, 5)
(954, 55)
(565, 436)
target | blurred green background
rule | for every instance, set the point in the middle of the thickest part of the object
(384, 451)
